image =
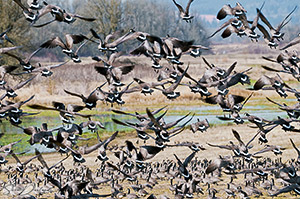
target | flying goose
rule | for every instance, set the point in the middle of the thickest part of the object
(291, 187)
(45, 71)
(66, 46)
(113, 74)
(91, 100)
(228, 104)
(60, 15)
(291, 110)
(276, 82)
(184, 14)
(10, 91)
(34, 4)
(92, 125)
(275, 32)
(169, 92)
(66, 112)
(238, 10)
(39, 135)
(182, 166)
(240, 150)
(6, 49)
(4, 70)
(144, 87)
(21, 166)
(193, 146)
(297, 150)
(106, 45)
(226, 162)
(249, 31)
(29, 14)
(7, 149)
(199, 125)
(15, 107)
(102, 149)
(275, 149)
(232, 23)
(3, 36)
(140, 117)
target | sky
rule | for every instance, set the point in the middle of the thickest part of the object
(274, 10)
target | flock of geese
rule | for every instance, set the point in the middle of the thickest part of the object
(133, 175)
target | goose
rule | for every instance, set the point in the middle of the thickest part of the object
(66, 112)
(144, 87)
(288, 188)
(147, 153)
(229, 104)
(34, 4)
(276, 82)
(6, 49)
(128, 176)
(60, 15)
(275, 149)
(240, 150)
(10, 91)
(184, 14)
(169, 92)
(45, 71)
(193, 146)
(39, 135)
(215, 73)
(5, 69)
(284, 123)
(291, 110)
(70, 40)
(3, 36)
(197, 86)
(258, 121)
(92, 125)
(226, 162)
(140, 117)
(46, 168)
(29, 14)
(91, 100)
(275, 32)
(166, 73)
(106, 45)
(238, 10)
(199, 125)
(249, 31)
(295, 41)
(174, 47)
(117, 95)
(113, 74)
(15, 107)
(231, 24)
(286, 69)
(21, 166)
(297, 150)
(140, 129)
(102, 149)
(8, 148)
(183, 166)
(25, 63)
